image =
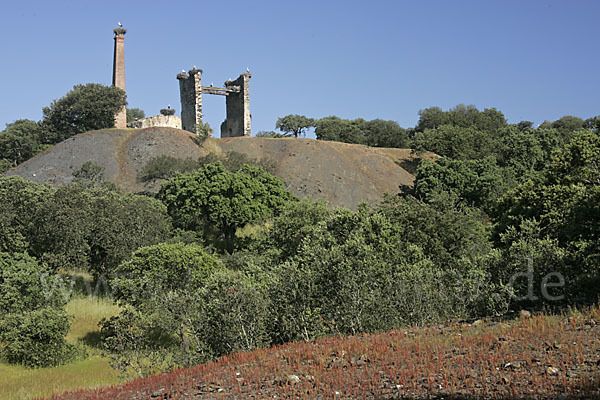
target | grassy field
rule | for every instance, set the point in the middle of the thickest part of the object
(23, 383)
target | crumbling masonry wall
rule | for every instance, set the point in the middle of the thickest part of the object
(169, 121)
(239, 119)
(190, 90)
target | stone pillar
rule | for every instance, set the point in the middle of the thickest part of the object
(239, 119)
(190, 90)
(119, 72)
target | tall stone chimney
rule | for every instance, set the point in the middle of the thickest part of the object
(119, 72)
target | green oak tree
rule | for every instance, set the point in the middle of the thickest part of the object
(133, 114)
(20, 141)
(294, 124)
(217, 202)
(85, 108)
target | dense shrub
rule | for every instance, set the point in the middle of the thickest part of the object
(161, 270)
(371, 270)
(78, 226)
(33, 323)
(166, 167)
(234, 313)
(159, 289)
(217, 202)
(26, 285)
(37, 338)
(480, 183)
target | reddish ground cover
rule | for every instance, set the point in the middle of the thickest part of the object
(541, 357)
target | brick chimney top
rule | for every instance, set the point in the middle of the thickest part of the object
(120, 31)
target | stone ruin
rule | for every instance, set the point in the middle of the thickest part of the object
(237, 102)
(163, 121)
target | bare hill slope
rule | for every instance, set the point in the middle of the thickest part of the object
(343, 174)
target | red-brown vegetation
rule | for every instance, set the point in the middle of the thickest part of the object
(540, 357)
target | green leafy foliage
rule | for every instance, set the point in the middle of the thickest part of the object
(26, 285)
(464, 143)
(122, 224)
(159, 287)
(136, 343)
(376, 133)
(564, 206)
(235, 313)
(478, 182)
(133, 114)
(294, 124)
(271, 134)
(161, 270)
(203, 131)
(92, 175)
(461, 116)
(568, 124)
(85, 108)
(217, 202)
(20, 141)
(166, 167)
(78, 227)
(33, 323)
(37, 338)
(297, 221)
(377, 269)
(5, 165)
(380, 133)
(340, 130)
(19, 198)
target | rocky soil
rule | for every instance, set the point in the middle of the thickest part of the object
(530, 357)
(343, 174)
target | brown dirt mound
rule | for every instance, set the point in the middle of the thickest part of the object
(343, 174)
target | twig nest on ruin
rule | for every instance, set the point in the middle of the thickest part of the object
(167, 111)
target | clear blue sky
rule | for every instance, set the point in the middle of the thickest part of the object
(532, 60)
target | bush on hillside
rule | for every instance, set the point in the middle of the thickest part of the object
(37, 338)
(33, 323)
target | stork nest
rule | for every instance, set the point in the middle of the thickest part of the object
(167, 111)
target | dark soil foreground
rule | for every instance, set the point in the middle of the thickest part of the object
(343, 174)
(539, 357)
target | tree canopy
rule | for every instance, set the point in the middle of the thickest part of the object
(85, 108)
(376, 133)
(20, 141)
(133, 114)
(217, 202)
(294, 124)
